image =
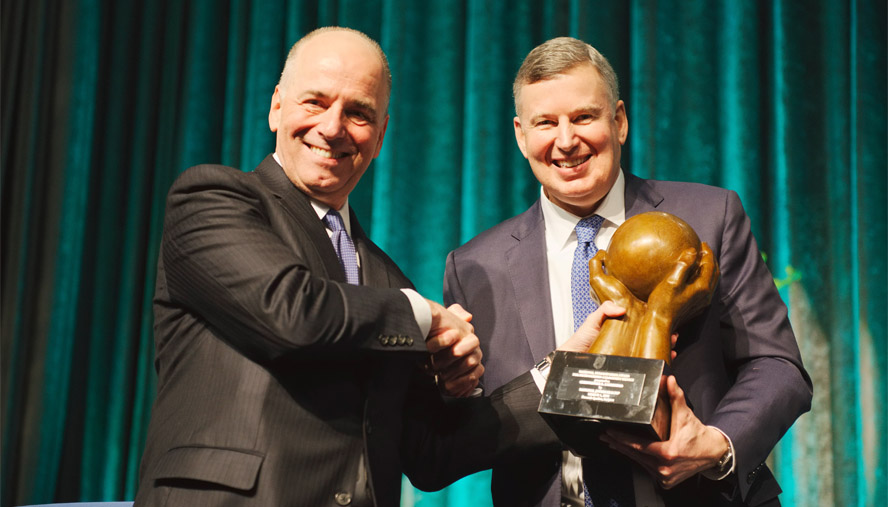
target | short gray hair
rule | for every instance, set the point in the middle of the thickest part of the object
(559, 55)
(291, 56)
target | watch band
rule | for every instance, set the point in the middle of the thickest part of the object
(724, 463)
(544, 364)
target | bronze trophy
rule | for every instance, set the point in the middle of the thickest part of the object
(658, 270)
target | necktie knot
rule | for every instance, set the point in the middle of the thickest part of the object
(588, 227)
(333, 220)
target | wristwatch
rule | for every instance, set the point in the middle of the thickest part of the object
(724, 463)
(544, 364)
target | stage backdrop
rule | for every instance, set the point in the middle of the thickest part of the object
(104, 102)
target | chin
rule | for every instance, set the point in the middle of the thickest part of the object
(579, 191)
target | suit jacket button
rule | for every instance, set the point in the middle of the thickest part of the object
(409, 340)
(402, 340)
(383, 340)
(342, 498)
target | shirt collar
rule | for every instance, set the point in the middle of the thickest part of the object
(560, 224)
(321, 209)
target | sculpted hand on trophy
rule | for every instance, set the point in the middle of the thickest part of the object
(657, 268)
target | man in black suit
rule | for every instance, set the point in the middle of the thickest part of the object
(742, 383)
(289, 347)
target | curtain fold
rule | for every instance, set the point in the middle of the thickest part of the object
(104, 103)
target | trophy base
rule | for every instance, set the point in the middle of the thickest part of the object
(588, 393)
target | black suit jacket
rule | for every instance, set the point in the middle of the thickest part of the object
(279, 383)
(738, 363)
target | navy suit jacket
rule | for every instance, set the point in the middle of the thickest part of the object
(738, 362)
(279, 383)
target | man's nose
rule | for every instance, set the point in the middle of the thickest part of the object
(566, 138)
(331, 124)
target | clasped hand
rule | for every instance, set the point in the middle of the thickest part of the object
(646, 326)
(455, 350)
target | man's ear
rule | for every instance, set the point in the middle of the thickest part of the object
(519, 136)
(385, 123)
(274, 112)
(622, 121)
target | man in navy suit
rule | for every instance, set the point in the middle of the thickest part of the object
(738, 381)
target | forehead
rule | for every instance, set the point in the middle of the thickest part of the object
(579, 87)
(338, 60)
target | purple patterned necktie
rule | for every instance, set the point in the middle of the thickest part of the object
(344, 247)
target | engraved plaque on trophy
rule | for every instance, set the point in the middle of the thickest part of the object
(659, 271)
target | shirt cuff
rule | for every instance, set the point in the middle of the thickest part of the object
(539, 379)
(711, 473)
(421, 311)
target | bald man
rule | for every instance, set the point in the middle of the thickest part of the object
(289, 347)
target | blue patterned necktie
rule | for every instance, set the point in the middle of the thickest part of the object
(583, 304)
(344, 247)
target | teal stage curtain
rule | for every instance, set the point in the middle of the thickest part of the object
(104, 102)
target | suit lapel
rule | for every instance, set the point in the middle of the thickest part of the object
(317, 246)
(529, 272)
(640, 197)
(373, 269)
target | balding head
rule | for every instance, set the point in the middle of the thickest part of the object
(342, 36)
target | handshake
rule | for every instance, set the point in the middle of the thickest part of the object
(456, 352)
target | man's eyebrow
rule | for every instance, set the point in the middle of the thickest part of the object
(594, 109)
(313, 93)
(537, 117)
(364, 105)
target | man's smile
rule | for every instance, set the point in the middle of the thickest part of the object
(325, 152)
(571, 162)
